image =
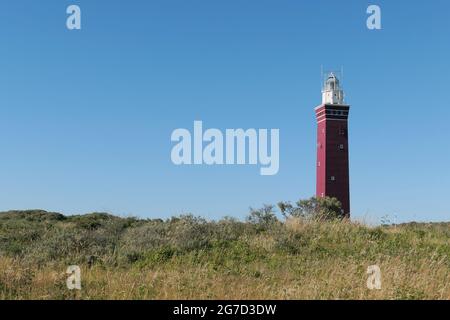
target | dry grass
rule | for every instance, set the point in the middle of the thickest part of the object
(296, 260)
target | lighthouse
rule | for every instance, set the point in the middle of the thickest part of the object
(332, 144)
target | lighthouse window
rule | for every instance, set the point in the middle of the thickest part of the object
(341, 146)
(333, 178)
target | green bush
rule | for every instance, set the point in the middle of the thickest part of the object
(315, 208)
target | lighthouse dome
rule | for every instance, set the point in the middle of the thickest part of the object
(332, 82)
(332, 92)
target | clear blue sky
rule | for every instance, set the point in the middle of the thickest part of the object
(86, 116)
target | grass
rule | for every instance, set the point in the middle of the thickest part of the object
(190, 258)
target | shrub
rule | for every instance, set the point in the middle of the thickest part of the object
(315, 208)
(264, 216)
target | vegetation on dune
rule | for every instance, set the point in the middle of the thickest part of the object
(305, 256)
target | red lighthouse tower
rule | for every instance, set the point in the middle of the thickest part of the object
(332, 144)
